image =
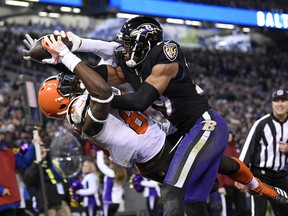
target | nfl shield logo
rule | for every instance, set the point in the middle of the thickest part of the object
(170, 51)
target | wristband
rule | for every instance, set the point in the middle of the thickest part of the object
(102, 101)
(70, 60)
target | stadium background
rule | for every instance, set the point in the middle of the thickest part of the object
(238, 65)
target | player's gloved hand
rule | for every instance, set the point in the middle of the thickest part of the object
(56, 48)
(76, 40)
(29, 43)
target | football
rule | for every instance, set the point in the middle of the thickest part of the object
(38, 53)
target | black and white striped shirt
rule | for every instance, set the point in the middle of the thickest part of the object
(261, 148)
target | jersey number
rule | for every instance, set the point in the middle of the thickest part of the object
(135, 120)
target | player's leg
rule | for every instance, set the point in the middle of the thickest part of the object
(236, 170)
(195, 165)
(196, 209)
(239, 172)
(173, 200)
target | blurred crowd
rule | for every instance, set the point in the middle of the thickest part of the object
(239, 84)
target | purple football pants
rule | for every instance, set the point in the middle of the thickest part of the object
(195, 164)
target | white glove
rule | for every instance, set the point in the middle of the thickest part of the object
(56, 48)
(76, 40)
(29, 42)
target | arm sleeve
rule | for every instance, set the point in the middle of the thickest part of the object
(137, 101)
(106, 170)
(92, 182)
(104, 49)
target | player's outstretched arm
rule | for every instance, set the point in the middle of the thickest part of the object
(103, 49)
(100, 92)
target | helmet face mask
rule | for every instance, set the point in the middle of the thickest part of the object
(139, 35)
(69, 84)
(55, 94)
(137, 49)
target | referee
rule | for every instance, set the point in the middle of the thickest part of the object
(265, 151)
